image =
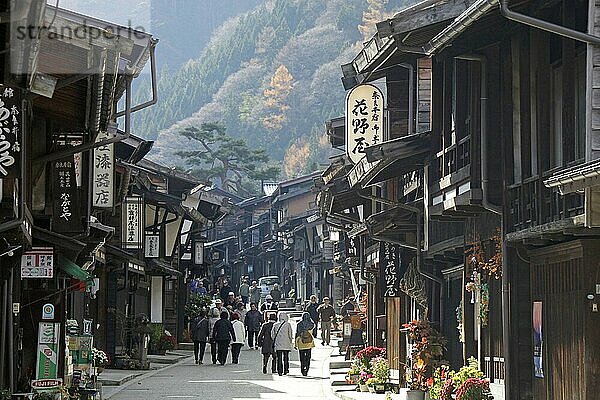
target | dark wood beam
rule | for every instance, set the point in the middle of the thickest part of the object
(408, 21)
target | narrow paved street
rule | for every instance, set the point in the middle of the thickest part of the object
(245, 380)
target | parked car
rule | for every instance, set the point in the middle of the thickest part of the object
(266, 283)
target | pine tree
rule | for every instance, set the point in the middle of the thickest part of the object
(226, 159)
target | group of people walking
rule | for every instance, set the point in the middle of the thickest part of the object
(275, 338)
(227, 327)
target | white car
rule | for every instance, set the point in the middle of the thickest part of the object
(266, 284)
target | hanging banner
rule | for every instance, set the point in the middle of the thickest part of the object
(132, 234)
(364, 120)
(389, 261)
(38, 263)
(104, 171)
(48, 348)
(65, 200)
(538, 343)
(11, 109)
(152, 246)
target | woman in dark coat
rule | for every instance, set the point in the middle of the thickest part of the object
(253, 321)
(223, 333)
(305, 341)
(266, 342)
(200, 332)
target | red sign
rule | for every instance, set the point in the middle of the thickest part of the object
(46, 383)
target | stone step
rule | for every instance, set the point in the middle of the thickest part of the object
(186, 346)
(339, 364)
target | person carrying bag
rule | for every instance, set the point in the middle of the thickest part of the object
(305, 341)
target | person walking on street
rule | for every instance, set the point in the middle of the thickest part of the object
(238, 341)
(223, 334)
(254, 293)
(276, 293)
(265, 340)
(241, 310)
(245, 291)
(305, 342)
(253, 321)
(200, 332)
(326, 316)
(230, 300)
(311, 309)
(215, 315)
(269, 304)
(225, 290)
(283, 339)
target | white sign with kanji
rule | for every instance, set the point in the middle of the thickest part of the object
(38, 263)
(152, 246)
(104, 170)
(364, 120)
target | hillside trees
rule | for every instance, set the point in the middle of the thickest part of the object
(276, 96)
(226, 159)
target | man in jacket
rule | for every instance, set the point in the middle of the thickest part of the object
(314, 314)
(253, 321)
(265, 340)
(276, 293)
(223, 333)
(283, 342)
(254, 293)
(200, 332)
(245, 291)
(326, 316)
(224, 291)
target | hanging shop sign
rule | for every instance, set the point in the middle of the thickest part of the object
(65, 204)
(48, 349)
(538, 342)
(364, 120)
(151, 249)
(198, 253)
(38, 263)
(47, 311)
(104, 172)
(389, 257)
(11, 110)
(132, 234)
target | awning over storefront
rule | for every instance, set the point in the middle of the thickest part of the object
(391, 159)
(397, 224)
(74, 270)
(161, 267)
(575, 178)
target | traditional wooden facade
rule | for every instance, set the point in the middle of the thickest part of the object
(506, 88)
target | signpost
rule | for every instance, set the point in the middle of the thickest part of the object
(104, 171)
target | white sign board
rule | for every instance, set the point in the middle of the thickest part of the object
(152, 246)
(104, 172)
(198, 253)
(364, 120)
(38, 263)
(132, 222)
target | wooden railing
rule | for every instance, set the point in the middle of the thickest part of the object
(530, 204)
(493, 368)
(453, 158)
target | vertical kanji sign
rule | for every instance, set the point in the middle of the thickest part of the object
(364, 120)
(10, 132)
(66, 205)
(132, 223)
(389, 258)
(104, 170)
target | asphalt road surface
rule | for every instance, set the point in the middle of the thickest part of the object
(245, 380)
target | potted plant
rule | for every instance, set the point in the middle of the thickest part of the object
(381, 373)
(363, 379)
(354, 373)
(426, 355)
(100, 359)
(474, 389)
(167, 342)
(5, 395)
